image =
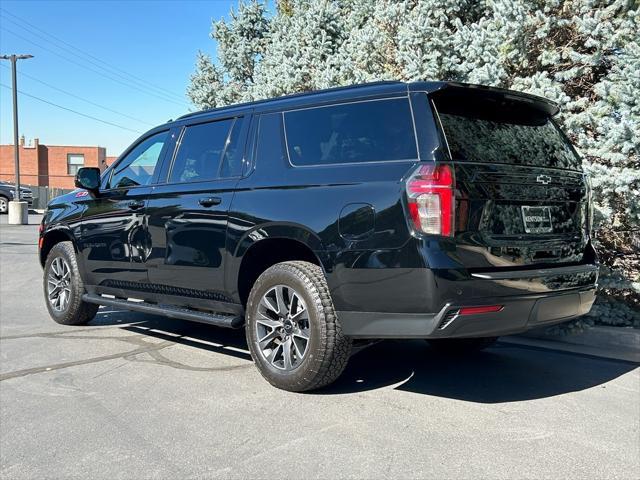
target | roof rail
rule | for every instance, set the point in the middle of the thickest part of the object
(293, 95)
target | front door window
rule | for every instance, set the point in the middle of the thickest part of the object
(138, 166)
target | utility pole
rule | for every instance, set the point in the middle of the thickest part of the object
(20, 217)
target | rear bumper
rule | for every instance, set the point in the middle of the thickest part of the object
(519, 313)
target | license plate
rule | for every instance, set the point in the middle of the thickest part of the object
(537, 219)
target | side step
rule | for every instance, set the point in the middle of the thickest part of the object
(217, 319)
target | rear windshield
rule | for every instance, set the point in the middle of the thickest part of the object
(502, 137)
(369, 131)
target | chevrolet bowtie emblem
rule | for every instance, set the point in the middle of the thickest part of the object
(543, 179)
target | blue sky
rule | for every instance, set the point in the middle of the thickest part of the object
(154, 41)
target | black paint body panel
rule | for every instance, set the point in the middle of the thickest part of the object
(352, 217)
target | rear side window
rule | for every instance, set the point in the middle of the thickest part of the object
(201, 150)
(371, 131)
(511, 134)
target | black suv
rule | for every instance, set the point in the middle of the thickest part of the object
(449, 212)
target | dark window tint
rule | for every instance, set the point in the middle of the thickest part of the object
(532, 141)
(234, 153)
(137, 167)
(200, 151)
(269, 145)
(370, 131)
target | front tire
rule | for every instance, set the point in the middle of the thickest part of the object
(292, 329)
(461, 346)
(4, 205)
(63, 287)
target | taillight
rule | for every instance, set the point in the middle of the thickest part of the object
(430, 193)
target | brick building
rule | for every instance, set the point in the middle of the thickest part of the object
(49, 165)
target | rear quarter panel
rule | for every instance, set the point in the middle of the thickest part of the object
(278, 200)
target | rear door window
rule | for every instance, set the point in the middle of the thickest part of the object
(369, 131)
(269, 146)
(208, 151)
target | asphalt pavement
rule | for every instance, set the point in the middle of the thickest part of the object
(136, 396)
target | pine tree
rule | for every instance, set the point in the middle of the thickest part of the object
(583, 54)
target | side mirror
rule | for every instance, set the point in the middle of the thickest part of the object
(88, 178)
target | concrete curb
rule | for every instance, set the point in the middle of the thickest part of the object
(620, 343)
(626, 337)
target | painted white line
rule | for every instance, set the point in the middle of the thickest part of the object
(239, 350)
(204, 342)
(162, 332)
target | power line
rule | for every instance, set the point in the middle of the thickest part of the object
(87, 54)
(102, 74)
(100, 64)
(71, 110)
(22, 74)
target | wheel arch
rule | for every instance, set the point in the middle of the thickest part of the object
(262, 247)
(53, 237)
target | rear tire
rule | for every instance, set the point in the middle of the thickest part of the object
(63, 287)
(460, 346)
(292, 330)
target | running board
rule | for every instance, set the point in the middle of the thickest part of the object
(171, 311)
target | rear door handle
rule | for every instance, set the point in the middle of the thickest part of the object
(135, 204)
(210, 201)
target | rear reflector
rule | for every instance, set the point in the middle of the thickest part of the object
(481, 309)
(431, 200)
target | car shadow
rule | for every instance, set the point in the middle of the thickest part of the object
(502, 373)
(204, 337)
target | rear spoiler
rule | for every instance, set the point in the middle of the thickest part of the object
(461, 90)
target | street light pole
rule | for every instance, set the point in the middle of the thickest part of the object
(16, 148)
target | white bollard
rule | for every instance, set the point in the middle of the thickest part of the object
(18, 213)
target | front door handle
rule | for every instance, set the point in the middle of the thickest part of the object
(135, 204)
(210, 201)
